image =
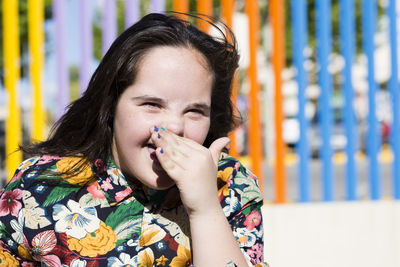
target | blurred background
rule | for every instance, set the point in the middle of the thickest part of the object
(317, 88)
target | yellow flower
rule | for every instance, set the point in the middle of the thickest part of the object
(6, 259)
(161, 260)
(150, 235)
(82, 177)
(184, 257)
(146, 257)
(223, 178)
(93, 244)
(24, 253)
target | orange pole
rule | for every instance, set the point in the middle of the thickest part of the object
(254, 130)
(227, 9)
(276, 11)
(204, 7)
(181, 6)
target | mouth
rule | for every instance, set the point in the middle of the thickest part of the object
(152, 150)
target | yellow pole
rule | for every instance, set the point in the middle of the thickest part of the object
(36, 37)
(11, 77)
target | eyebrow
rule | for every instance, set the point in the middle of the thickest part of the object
(199, 105)
(148, 98)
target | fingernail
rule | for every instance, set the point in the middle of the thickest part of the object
(162, 151)
(162, 128)
(156, 128)
(158, 136)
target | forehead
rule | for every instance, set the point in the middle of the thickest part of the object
(174, 71)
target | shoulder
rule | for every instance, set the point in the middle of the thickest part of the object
(238, 187)
(48, 167)
(31, 168)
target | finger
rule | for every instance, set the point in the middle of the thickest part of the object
(176, 148)
(217, 146)
(170, 166)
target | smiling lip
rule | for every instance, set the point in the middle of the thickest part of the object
(152, 150)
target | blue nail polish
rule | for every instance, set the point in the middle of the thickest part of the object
(162, 151)
(156, 128)
(162, 128)
(158, 136)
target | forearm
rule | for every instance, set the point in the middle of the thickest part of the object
(213, 241)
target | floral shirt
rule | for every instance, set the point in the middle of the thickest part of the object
(95, 218)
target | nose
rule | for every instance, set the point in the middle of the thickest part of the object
(174, 123)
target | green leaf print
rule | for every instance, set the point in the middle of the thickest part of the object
(119, 216)
(59, 193)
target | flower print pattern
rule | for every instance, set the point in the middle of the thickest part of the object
(74, 220)
(7, 259)
(34, 217)
(94, 190)
(224, 177)
(146, 257)
(161, 260)
(121, 195)
(123, 260)
(256, 252)
(252, 220)
(67, 164)
(93, 244)
(184, 257)
(42, 244)
(9, 202)
(78, 263)
(94, 218)
(106, 185)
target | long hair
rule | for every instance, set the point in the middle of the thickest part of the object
(86, 129)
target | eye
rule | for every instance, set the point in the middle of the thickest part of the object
(151, 104)
(196, 111)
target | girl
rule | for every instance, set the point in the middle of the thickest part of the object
(133, 174)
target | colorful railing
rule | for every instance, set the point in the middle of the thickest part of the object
(299, 25)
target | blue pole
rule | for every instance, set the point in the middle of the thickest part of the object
(157, 6)
(132, 12)
(324, 39)
(394, 90)
(347, 47)
(62, 65)
(299, 33)
(373, 136)
(109, 24)
(86, 44)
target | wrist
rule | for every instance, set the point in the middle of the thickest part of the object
(210, 210)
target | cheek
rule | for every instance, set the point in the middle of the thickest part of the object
(198, 131)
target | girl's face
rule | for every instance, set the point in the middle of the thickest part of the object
(172, 90)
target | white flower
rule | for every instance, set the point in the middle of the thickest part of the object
(244, 237)
(33, 216)
(75, 220)
(233, 205)
(78, 263)
(18, 235)
(123, 260)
